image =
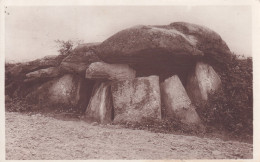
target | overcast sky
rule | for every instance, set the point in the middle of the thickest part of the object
(31, 31)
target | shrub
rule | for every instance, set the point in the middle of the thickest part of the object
(18, 105)
(231, 108)
(66, 47)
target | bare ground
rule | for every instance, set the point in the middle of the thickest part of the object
(40, 137)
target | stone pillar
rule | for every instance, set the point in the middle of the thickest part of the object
(100, 105)
(176, 101)
(201, 82)
(136, 99)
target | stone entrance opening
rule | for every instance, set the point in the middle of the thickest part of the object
(159, 62)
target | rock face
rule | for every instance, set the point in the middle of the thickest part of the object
(177, 102)
(135, 99)
(66, 90)
(86, 47)
(161, 50)
(78, 62)
(48, 61)
(50, 72)
(101, 70)
(15, 74)
(201, 82)
(178, 38)
(100, 105)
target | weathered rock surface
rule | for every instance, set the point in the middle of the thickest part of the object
(78, 62)
(102, 70)
(176, 101)
(201, 82)
(15, 74)
(208, 41)
(178, 38)
(100, 105)
(23, 68)
(161, 50)
(66, 90)
(50, 72)
(135, 99)
(62, 90)
(86, 47)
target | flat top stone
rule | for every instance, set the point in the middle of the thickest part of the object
(102, 70)
(178, 38)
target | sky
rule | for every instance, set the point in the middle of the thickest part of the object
(30, 31)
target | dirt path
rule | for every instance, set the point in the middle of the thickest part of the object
(41, 137)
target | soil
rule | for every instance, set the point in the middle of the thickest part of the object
(41, 137)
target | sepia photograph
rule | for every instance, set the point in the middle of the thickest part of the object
(127, 82)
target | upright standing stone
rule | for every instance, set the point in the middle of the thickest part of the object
(201, 82)
(177, 102)
(67, 90)
(100, 105)
(136, 98)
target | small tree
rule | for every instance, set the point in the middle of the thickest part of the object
(65, 47)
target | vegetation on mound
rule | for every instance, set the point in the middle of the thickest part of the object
(66, 47)
(231, 107)
(18, 105)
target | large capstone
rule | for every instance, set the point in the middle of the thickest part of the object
(102, 70)
(164, 50)
(178, 38)
(136, 99)
(176, 101)
(100, 105)
(202, 81)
